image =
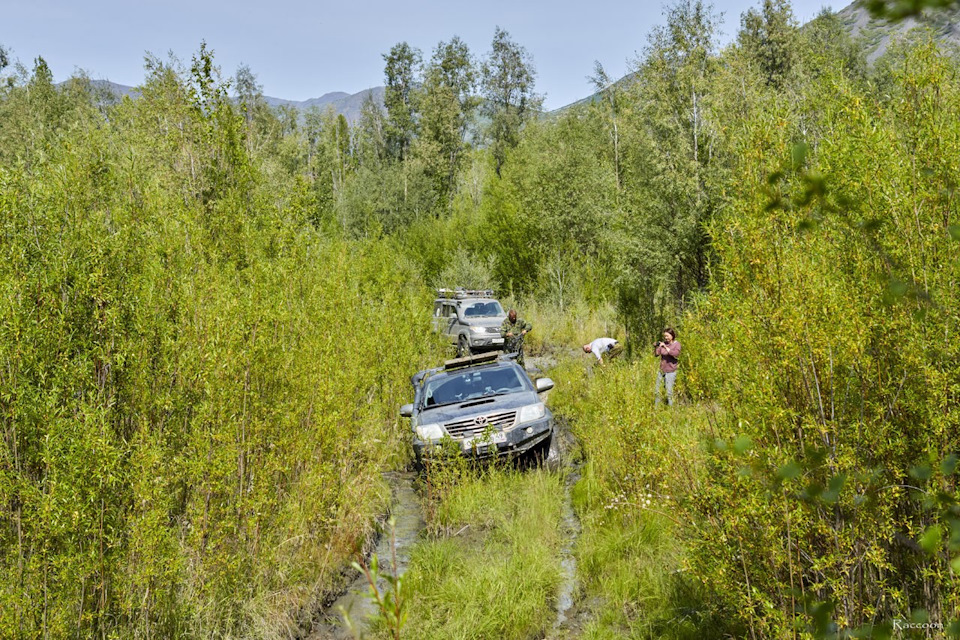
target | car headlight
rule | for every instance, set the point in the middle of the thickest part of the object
(429, 432)
(478, 329)
(532, 412)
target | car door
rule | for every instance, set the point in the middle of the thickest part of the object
(450, 315)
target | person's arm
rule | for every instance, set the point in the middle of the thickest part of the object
(504, 333)
(527, 327)
(673, 349)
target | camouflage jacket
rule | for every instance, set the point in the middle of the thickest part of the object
(515, 328)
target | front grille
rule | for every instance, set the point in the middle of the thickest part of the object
(470, 427)
(487, 330)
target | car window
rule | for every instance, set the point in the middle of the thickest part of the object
(483, 309)
(473, 384)
(437, 309)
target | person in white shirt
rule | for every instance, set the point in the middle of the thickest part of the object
(602, 346)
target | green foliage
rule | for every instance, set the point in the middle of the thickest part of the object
(401, 76)
(466, 270)
(446, 103)
(509, 98)
(768, 37)
(850, 375)
(194, 394)
(896, 10)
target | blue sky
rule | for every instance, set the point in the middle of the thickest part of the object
(301, 50)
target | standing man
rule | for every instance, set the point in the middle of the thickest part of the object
(512, 331)
(669, 351)
(602, 346)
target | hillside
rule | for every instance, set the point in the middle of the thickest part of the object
(341, 102)
(877, 35)
(348, 104)
(874, 35)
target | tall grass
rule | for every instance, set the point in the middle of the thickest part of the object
(494, 570)
(642, 466)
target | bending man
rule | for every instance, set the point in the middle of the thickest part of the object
(602, 346)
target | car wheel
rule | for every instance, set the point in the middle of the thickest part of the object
(418, 465)
(463, 347)
(538, 455)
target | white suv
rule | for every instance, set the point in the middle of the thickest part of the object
(470, 318)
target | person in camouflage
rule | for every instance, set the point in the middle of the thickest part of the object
(512, 331)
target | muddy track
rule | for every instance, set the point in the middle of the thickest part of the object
(564, 459)
(408, 523)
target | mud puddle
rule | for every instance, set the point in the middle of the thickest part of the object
(567, 593)
(562, 459)
(408, 523)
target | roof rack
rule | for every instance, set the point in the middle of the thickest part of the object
(469, 361)
(460, 293)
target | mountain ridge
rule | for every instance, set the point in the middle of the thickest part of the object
(874, 35)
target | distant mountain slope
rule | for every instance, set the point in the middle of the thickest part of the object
(350, 105)
(622, 83)
(326, 98)
(877, 35)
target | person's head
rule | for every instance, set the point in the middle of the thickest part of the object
(669, 335)
(587, 348)
(512, 315)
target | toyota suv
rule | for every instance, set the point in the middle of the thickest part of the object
(486, 405)
(470, 318)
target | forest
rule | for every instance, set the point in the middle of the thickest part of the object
(210, 310)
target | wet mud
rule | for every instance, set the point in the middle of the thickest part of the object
(354, 602)
(569, 612)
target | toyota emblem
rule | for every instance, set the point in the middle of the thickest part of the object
(480, 421)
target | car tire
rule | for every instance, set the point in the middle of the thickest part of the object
(418, 465)
(463, 346)
(537, 455)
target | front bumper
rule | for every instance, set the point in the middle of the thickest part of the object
(516, 441)
(481, 342)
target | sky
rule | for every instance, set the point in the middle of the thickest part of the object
(301, 49)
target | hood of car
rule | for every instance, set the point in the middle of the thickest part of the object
(477, 407)
(485, 321)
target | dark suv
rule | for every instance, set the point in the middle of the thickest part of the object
(470, 318)
(485, 404)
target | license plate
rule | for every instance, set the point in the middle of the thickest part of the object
(498, 341)
(497, 437)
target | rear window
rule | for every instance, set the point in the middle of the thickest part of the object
(473, 384)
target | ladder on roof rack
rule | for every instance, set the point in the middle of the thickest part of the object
(468, 361)
(460, 293)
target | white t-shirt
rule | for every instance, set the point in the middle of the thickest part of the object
(601, 346)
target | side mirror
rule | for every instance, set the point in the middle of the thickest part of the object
(406, 411)
(544, 384)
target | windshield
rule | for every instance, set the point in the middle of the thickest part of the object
(472, 384)
(483, 309)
